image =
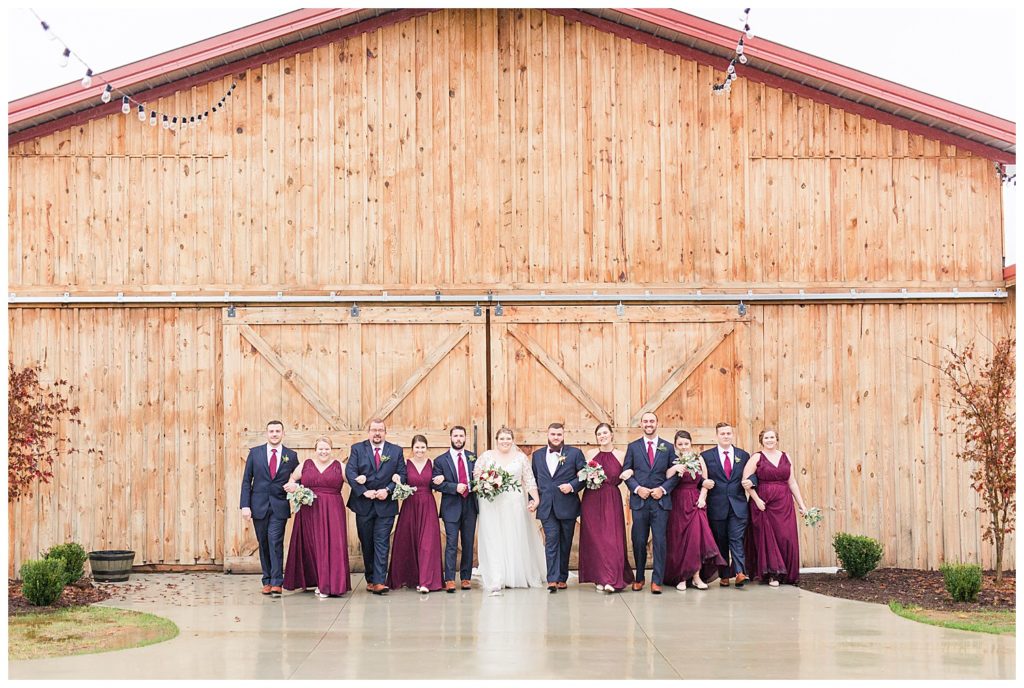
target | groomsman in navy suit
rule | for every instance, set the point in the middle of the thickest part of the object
(727, 502)
(649, 458)
(453, 478)
(378, 462)
(264, 502)
(555, 468)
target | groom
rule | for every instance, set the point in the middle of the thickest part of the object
(555, 469)
(649, 457)
(263, 501)
(452, 477)
(377, 462)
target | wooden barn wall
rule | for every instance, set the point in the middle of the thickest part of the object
(148, 385)
(497, 149)
(849, 388)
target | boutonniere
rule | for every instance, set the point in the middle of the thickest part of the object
(384, 458)
(663, 447)
(560, 457)
(470, 456)
(735, 459)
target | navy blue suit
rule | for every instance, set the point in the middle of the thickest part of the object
(557, 511)
(457, 512)
(650, 516)
(727, 508)
(374, 517)
(266, 499)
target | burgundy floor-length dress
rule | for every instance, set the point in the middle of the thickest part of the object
(416, 549)
(318, 553)
(690, 544)
(772, 545)
(603, 557)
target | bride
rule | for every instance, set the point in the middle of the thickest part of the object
(510, 547)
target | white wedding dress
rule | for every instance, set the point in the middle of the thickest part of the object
(510, 546)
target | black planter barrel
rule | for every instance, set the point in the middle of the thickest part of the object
(111, 565)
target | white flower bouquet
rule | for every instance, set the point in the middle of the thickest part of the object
(303, 496)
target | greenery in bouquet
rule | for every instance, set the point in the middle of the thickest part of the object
(303, 496)
(689, 461)
(402, 491)
(813, 516)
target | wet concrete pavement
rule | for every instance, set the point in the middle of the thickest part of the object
(229, 630)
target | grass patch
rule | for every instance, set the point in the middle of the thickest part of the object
(998, 622)
(83, 630)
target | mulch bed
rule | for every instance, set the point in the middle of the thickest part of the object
(912, 586)
(79, 593)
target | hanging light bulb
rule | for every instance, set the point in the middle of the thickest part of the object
(167, 124)
(152, 118)
(126, 107)
(749, 32)
(87, 79)
(174, 122)
(192, 121)
(64, 57)
(730, 69)
(106, 93)
(142, 113)
(739, 48)
(743, 59)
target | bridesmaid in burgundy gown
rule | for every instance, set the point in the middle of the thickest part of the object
(416, 549)
(691, 553)
(318, 552)
(603, 560)
(772, 545)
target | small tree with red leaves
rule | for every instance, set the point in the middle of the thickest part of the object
(35, 414)
(984, 405)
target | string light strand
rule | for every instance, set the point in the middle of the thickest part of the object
(128, 102)
(739, 57)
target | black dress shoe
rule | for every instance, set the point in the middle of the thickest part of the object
(552, 589)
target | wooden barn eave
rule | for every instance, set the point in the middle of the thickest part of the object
(669, 30)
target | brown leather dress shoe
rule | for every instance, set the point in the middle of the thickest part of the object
(275, 590)
(369, 587)
(561, 585)
(379, 589)
(266, 589)
(466, 585)
(741, 578)
(724, 582)
(655, 589)
(449, 586)
(638, 586)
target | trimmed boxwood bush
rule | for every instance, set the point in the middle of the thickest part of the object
(858, 554)
(963, 581)
(73, 555)
(42, 581)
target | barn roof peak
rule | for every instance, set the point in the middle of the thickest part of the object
(669, 29)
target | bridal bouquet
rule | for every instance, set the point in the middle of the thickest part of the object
(813, 516)
(593, 473)
(402, 491)
(300, 498)
(493, 481)
(689, 462)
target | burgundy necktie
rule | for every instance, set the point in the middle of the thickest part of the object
(376, 456)
(728, 464)
(273, 463)
(462, 476)
(650, 453)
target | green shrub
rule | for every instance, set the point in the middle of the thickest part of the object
(42, 581)
(74, 557)
(963, 581)
(858, 554)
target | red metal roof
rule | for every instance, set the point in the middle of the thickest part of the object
(769, 62)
